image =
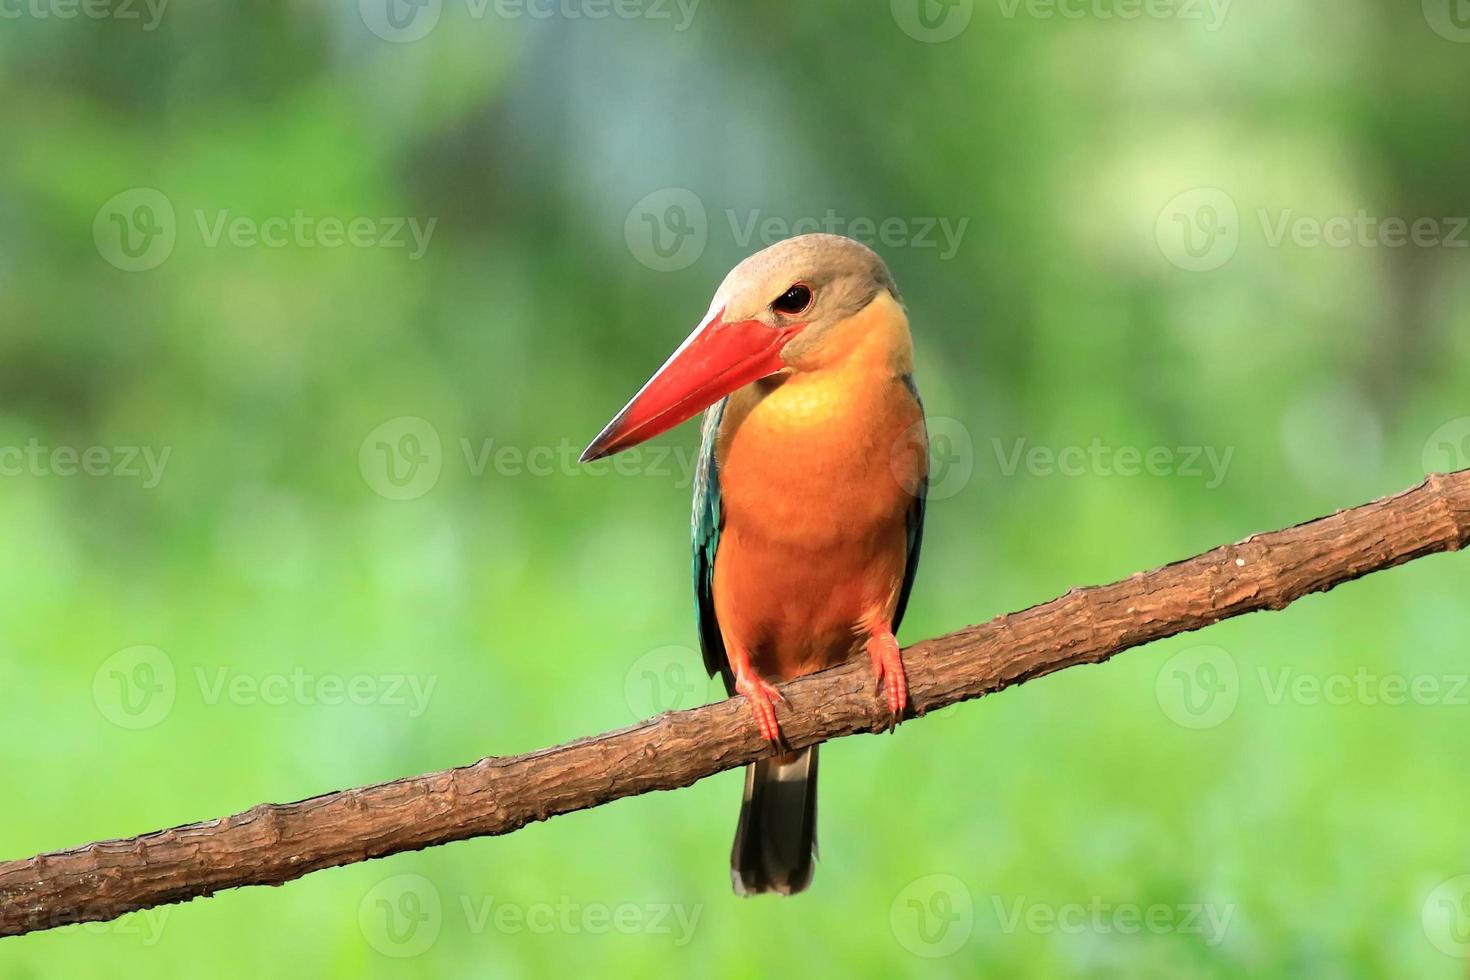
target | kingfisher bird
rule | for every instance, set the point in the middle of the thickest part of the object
(808, 502)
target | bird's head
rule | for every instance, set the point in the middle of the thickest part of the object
(777, 311)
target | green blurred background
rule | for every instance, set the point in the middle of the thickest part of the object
(290, 503)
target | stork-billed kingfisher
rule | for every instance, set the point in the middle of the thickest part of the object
(808, 501)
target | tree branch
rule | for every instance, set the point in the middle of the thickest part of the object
(272, 844)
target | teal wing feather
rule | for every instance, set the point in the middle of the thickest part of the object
(706, 522)
(915, 518)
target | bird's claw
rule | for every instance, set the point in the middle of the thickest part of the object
(761, 696)
(889, 677)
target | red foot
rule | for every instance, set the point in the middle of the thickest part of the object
(888, 669)
(761, 696)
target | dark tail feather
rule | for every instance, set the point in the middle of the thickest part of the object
(776, 841)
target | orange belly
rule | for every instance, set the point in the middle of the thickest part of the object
(817, 476)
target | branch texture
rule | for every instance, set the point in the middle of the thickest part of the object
(272, 844)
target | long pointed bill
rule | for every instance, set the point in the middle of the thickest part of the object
(717, 358)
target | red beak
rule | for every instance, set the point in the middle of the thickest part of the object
(717, 358)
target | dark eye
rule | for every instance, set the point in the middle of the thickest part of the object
(797, 299)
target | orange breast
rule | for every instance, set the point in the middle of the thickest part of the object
(817, 475)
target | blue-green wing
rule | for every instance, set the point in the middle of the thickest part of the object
(706, 522)
(915, 518)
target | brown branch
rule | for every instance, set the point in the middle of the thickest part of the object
(269, 845)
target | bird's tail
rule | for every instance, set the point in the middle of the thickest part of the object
(776, 841)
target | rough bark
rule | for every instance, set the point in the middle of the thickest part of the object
(272, 844)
